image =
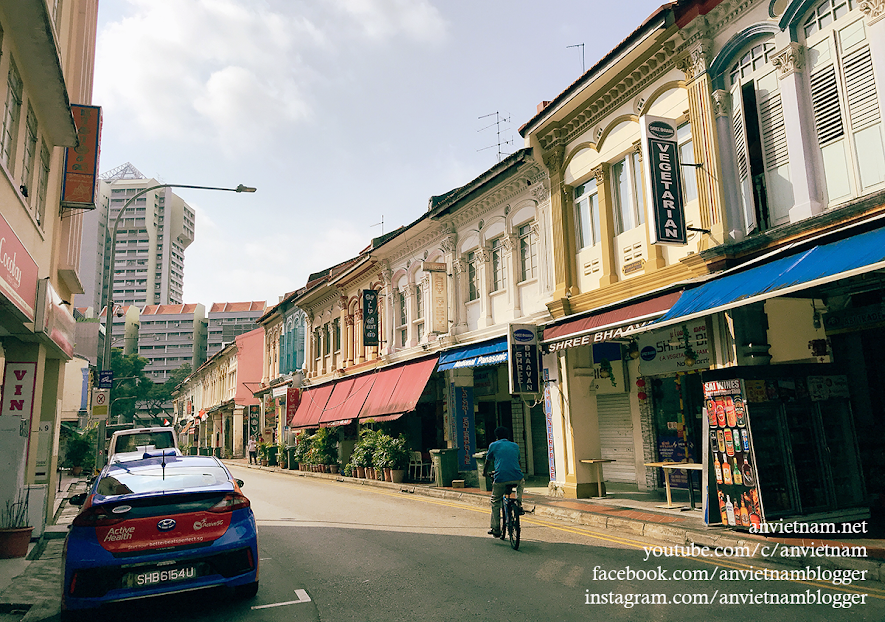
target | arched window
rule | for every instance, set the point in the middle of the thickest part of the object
(760, 139)
(847, 118)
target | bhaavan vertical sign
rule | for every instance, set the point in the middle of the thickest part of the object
(438, 296)
(81, 162)
(661, 154)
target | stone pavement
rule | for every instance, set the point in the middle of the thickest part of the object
(30, 588)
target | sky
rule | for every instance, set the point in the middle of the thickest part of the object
(342, 113)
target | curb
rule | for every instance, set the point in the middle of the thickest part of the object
(712, 537)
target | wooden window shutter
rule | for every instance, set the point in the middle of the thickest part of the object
(825, 105)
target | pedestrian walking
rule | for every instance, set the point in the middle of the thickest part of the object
(253, 450)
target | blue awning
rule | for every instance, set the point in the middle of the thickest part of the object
(492, 352)
(819, 265)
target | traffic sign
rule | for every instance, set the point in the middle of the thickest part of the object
(100, 402)
(106, 379)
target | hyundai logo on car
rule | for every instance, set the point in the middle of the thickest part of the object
(166, 524)
(522, 334)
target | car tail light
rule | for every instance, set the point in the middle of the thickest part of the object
(96, 516)
(230, 502)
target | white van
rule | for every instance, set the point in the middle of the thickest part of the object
(135, 443)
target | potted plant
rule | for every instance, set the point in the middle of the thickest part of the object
(398, 458)
(282, 456)
(262, 453)
(79, 455)
(381, 456)
(368, 442)
(15, 530)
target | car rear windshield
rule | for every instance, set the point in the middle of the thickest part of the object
(143, 440)
(157, 479)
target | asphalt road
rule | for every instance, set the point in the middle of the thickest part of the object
(333, 551)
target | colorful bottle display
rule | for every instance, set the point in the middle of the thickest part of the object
(730, 414)
(729, 443)
(718, 468)
(711, 412)
(726, 472)
(736, 438)
(720, 413)
(745, 439)
(729, 510)
(736, 473)
(722, 508)
(739, 410)
(720, 440)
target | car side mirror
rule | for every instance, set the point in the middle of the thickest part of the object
(78, 499)
(239, 482)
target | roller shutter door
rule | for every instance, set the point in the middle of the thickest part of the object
(616, 437)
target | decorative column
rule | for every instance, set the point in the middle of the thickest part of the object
(511, 256)
(541, 194)
(459, 269)
(800, 132)
(348, 339)
(483, 273)
(606, 225)
(563, 231)
(448, 246)
(360, 355)
(409, 292)
(703, 135)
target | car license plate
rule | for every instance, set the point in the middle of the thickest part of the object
(161, 575)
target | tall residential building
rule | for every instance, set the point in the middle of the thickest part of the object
(229, 319)
(170, 336)
(152, 236)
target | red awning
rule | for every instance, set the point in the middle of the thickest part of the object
(347, 399)
(635, 314)
(311, 407)
(397, 390)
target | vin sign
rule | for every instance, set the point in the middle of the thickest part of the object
(370, 317)
(666, 213)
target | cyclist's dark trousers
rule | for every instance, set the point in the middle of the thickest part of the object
(498, 492)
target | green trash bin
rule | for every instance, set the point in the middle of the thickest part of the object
(485, 483)
(445, 465)
(290, 453)
(272, 455)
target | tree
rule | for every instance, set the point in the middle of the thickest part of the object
(159, 399)
(133, 389)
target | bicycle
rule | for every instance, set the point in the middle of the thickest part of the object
(511, 511)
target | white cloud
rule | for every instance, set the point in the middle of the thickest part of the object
(239, 72)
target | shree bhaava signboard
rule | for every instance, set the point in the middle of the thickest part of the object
(661, 154)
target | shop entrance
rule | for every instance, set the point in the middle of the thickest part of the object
(678, 408)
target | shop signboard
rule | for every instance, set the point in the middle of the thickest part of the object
(524, 359)
(661, 158)
(370, 317)
(663, 351)
(81, 162)
(465, 430)
(253, 420)
(732, 452)
(106, 379)
(548, 418)
(293, 398)
(439, 307)
(18, 272)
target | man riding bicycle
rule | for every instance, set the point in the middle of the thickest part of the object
(502, 460)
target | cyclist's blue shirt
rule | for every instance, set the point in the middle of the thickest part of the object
(504, 455)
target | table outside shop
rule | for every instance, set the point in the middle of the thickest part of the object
(599, 462)
(666, 467)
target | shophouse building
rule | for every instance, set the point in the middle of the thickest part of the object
(212, 405)
(775, 114)
(46, 61)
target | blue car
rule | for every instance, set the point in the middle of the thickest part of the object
(159, 525)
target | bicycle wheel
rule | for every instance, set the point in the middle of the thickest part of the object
(513, 529)
(505, 520)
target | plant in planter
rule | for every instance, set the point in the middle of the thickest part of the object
(325, 442)
(282, 456)
(15, 530)
(368, 442)
(79, 454)
(262, 453)
(303, 442)
(398, 458)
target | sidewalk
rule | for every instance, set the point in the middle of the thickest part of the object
(639, 514)
(30, 587)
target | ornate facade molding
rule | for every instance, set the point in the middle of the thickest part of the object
(482, 256)
(696, 62)
(449, 243)
(873, 9)
(721, 101)
(600, 173)
(459, 266)
(604, 103)
(789, 60)
(540, 193)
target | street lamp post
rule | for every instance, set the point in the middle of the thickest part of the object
(108, 298)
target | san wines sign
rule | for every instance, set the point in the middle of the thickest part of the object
(661, 153)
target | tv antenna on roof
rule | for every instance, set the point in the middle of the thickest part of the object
(579, 45)
(499, 120)
(380, 223)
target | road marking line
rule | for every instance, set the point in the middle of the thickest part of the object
(302, 598)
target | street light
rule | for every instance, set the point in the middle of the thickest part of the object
(108, 299)
(125, 397)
